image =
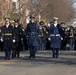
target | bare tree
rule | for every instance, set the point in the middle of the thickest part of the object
(50, 8)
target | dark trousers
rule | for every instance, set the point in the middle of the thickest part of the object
(7, 54)
(15, 53)
(75, 45)
(33, 50)
(18, 53)
(55, 52)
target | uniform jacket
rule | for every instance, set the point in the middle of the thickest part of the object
(7, 37)
(55, 33)
(17, 34)
(32, 32)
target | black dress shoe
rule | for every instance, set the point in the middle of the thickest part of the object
(8, 59)
(33, 57)
(56, 56)
(53, 56)
(30, 57)
(5, 58)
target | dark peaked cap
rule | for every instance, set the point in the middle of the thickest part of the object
(16, 20)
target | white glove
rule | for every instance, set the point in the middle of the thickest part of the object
(61, 38)
(22, 39)
(1, 40)
(49, 39)
(14, 41)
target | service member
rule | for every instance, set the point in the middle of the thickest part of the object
(17, 32)
(32, 32)
(7, 31)
(55, 37)
(1, 43)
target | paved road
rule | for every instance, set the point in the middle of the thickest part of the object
(44, 64)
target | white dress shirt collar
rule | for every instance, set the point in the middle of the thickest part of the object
(55, 25)
(16, 26)
(7, 25)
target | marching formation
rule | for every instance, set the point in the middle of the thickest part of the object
(36, 36)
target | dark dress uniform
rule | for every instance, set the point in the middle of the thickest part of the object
(7, 40)
(1, 43)
(32, 32)
(63, 41)
(25, 40)
(55, 35)
(17, 31)
(47, 41)
(75, 38)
